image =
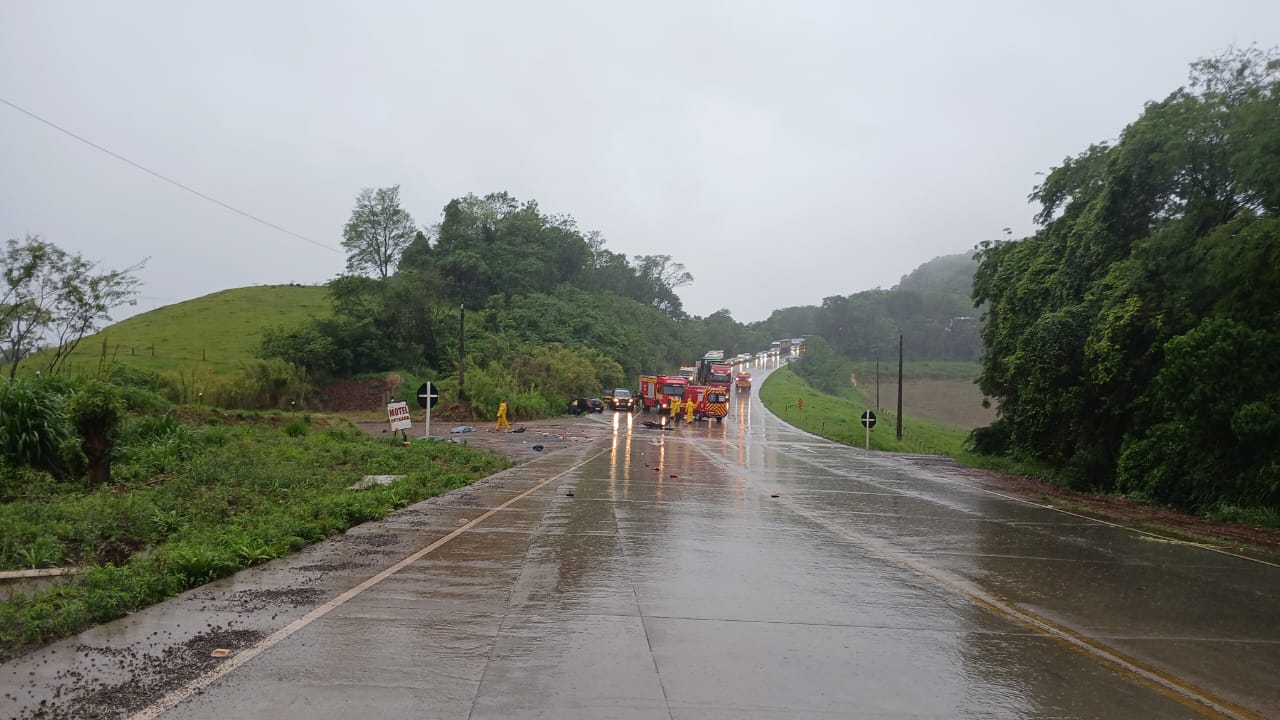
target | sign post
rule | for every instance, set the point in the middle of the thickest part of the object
(868, 422)
(398, 416)
(427, 397)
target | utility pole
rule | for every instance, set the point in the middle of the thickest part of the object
(899, 387)
(877, 381)
(462, 354)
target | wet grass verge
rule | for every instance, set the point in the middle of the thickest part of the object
(838, 418)
(232, 497)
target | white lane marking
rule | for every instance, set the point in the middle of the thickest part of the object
(169, 701)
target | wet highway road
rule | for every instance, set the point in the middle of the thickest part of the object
(654, 574)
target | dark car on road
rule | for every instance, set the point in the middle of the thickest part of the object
(622, 400)
(586, 405)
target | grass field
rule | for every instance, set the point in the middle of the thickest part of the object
(941, 391)
(216, 331)
(837, 418)
(918, 370)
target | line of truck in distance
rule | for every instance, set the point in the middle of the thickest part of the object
(706, 384)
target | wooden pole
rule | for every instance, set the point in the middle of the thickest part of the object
(899, 387)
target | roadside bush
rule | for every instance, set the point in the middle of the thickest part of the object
(559, 373)
(1257, 517)
(822, 368)
(140, 401)
(199, 563)
(992, 439)
(530, 405)
(125, 376)
(488, 387)
(33, 425)
(273, 383)
(256, 385)
(183, 386)
(214, 436)
(43, 552)
(96, 412)
(143, 458)
(298, 427)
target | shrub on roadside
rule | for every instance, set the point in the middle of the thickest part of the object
(96, 412)
(34, 428)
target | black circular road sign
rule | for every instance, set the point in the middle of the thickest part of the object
(868, 419)
(427, 396)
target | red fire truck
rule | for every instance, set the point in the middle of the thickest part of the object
(721, 375)
(656, 391)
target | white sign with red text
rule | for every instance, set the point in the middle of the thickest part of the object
(398, 416)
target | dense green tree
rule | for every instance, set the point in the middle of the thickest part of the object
(1127, 341)
(378, 232)
(531, 281)
(823, 368)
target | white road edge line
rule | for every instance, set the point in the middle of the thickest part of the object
(1148, 533)
(173, 698)
(1026, 501)
(1173, 686)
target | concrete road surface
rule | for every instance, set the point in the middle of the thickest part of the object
(740, 570)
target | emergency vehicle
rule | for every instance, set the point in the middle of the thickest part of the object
(714, 403)
(694, 394)
(656, 392)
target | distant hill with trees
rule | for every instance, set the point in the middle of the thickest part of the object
(546, 311)
(549, 313)
(932, 308)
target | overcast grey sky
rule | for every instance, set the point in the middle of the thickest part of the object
(783, 151)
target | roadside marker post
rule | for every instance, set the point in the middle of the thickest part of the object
(868, 422)
(427, 397)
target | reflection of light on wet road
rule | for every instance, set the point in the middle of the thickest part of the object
(613, 458)
(662, 461)
(622, 429)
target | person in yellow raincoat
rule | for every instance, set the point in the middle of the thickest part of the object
(689, 407)
(502, 417)
(675, 408)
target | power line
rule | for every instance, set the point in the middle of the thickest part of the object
(169, 180)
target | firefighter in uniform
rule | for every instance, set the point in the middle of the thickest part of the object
(502, 418)
(675, 408)
(689, 408)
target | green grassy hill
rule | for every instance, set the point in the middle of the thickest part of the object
(216, 331)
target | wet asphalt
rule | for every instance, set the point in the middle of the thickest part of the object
(734, 570)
